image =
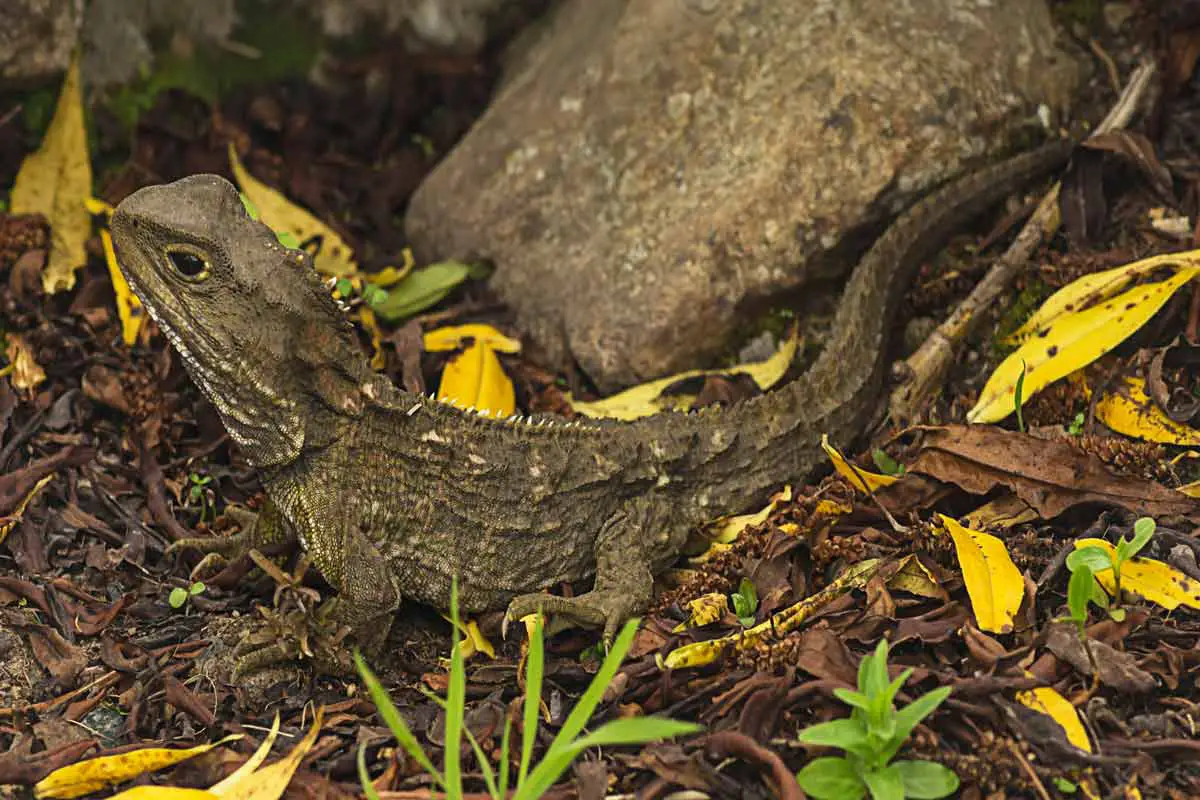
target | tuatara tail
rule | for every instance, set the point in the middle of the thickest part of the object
(755, 443)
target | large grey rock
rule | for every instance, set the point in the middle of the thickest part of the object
(654, 167)
(36, 37)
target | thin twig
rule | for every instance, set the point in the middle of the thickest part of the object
(927, 367)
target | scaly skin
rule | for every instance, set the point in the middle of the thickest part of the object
(391, 493)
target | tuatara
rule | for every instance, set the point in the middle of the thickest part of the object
(391, 494)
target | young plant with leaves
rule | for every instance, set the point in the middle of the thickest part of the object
(871, 736)
(532, 781)
(1097, 559)
(745, 602)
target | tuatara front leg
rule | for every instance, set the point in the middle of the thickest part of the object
(627, 550)
(360, 615)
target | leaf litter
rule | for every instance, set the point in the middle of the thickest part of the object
(964, 574)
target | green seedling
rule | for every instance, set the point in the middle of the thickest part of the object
(1098, 559)
(886, 464)
(179, 596)
(1018, 397)
(1076, 426)
(200, 494)
(871, 736)
(745, 602)
(532, 780)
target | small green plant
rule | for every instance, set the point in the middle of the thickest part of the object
(369, 292)
(886, 464)
(532, 781)
(1065, 786)
(871, 737)
(1018, 397)
(200, 494)
(179, 596)
(1097, 559)
(745, 602)
(1076, 426)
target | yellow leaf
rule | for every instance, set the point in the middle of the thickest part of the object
(1089, 290)
(1073, 341)
(993, 581)
(390, 276)
(9, 522)
(474, 378)
(646, 399)
(26, 373)
(473, 640)
(1046, 701)
(728, 529)
(1191, 489)
(333, 257)
(913, 577)
(860, 479)
(705, 609)
(56, 181)
(252, 763)
(1130, 411)
(1002, 513)
(162, 793)
(129, 308)
(94, 774)
(367, 317)
(779, 624)
(269, 782)
(1152, 580)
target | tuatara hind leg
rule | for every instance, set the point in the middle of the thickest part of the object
(624, 579)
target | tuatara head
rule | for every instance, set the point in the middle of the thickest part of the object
(256, 327)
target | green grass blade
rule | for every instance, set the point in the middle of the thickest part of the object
(489, 777)
(505, 741)
(635, 730)
(582, 711)
(456, 698)
(364, 778)
(396, 724)
(534, 669)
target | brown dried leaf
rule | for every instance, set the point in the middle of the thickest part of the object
(1048, 474)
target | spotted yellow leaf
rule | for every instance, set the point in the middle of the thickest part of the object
(1130, 411)
(474, 378)
(704, 610)
(1088, 291)
(1152, 580)
(1074, 340)
(993, 581)
(647, 398)
(56, 181)
(332, 256)
(1045, 700)
(697, 654)
(860, 479)
(94, 774)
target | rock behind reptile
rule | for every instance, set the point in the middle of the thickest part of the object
(392, 494)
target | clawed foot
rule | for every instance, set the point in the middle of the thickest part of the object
(220, 550)
(607, 609)
(298, 629)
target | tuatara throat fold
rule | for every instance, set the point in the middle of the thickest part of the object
(392, 494)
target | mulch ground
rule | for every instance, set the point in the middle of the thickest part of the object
(94, 659)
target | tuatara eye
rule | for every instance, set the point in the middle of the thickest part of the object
(188, 264)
